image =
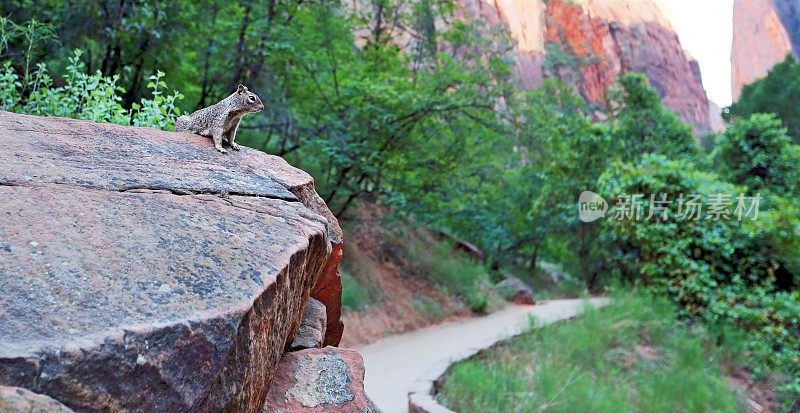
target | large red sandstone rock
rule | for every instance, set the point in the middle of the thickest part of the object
(142, 270)
(319, 380)
(764, 32)
(328, 289)
(607, 38)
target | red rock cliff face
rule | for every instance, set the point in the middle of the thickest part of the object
(764, 31)
(589, 44)
(525, 21)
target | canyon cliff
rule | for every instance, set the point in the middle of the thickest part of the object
(764, 32)
(589, 44)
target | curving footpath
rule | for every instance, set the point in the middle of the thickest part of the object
(406, 366)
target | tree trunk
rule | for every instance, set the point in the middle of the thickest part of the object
(534, 256)
(240, 49)
(205, 90)
(346, 205)
(583, 256)
(132, 93)
(106, 61)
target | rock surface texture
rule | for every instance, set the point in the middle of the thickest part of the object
(764, 32)
(19, 400)
(142, 270)
(311, 332)
(319, 380)
(588, 44)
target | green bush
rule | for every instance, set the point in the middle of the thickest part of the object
(355, 296)
(455, 274)
(727, 272)
(88, 97)
(778, 92)
(430, 309)
(634, 355)
(756, 152)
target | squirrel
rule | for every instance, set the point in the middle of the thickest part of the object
(221, 119)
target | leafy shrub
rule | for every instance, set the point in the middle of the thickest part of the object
(778, 93)
(726, 272)
(456, 275)
(756, 152)
(771, 322)
(430, 309)
(355, 296)
(88, 97)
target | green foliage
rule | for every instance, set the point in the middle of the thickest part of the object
(129, 39)
(458, 276)
(84, 96)
(726, 272)
(6, 32)
(430, 309)
(561, 55)
(33, 32)
(644, 360)
(355, 296)
(561, 154)
(769, 320)
(757, 153)
(644, 125)
(733, 275)
(401, 132)
(644, 252)
(778, 93)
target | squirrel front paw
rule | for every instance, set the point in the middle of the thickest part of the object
(235, 146)
(221, 149)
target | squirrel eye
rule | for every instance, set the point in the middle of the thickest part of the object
(252, 98)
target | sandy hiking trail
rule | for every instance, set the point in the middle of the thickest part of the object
(394, 363)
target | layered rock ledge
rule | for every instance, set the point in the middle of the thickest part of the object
(142, 270)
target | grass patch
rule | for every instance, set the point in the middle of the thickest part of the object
(354, 295)
(422, 262)
(454, 273)
(430, 309)
(633, 355)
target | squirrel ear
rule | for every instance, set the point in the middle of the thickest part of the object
(241, 89)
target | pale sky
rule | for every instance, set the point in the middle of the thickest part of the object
(705, 28)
